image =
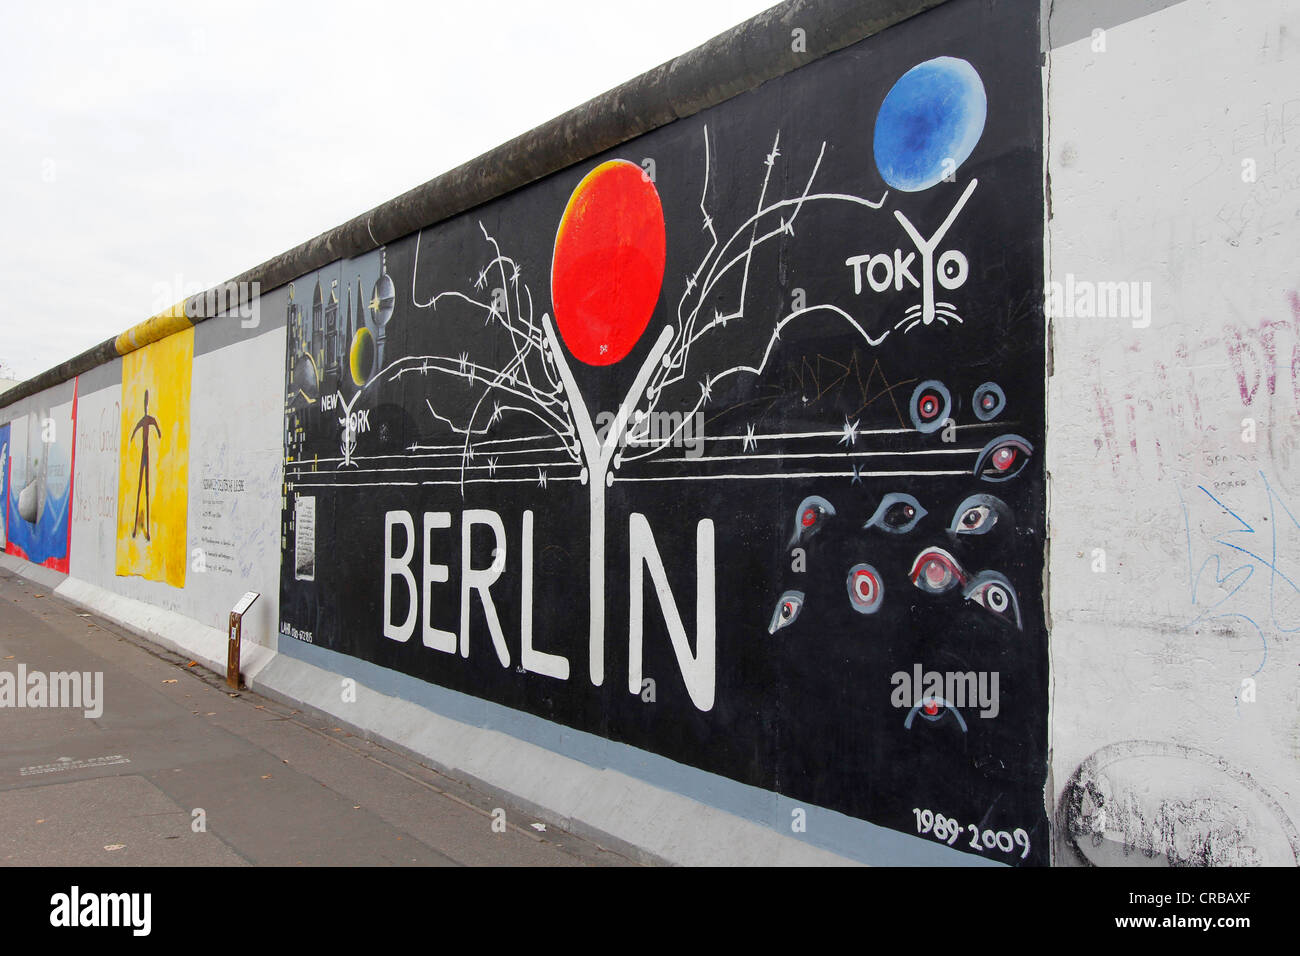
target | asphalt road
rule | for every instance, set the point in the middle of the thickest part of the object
(180, 771)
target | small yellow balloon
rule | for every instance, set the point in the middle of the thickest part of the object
(362, 357)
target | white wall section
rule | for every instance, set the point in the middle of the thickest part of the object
(1174, 443)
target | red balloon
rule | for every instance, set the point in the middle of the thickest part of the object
(608, 266)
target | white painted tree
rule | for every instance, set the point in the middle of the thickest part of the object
(538, 381)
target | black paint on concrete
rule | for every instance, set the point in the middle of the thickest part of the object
(806, 711)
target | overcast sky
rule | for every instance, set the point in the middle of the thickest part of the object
(151, 147)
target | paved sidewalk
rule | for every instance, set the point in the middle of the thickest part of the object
(275, 786)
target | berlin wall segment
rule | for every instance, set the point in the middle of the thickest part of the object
(725, 444)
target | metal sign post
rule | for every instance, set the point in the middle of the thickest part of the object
(236, 633)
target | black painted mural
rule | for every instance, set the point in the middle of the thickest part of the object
(726, 445)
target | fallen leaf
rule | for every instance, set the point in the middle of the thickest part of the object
(115, 846)
(172, 681)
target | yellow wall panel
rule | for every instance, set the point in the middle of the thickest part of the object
(153, 466)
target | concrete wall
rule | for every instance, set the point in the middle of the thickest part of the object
(1174, 162)
(39, 476)
(672, 448)
(1128, 478)
(232, 481)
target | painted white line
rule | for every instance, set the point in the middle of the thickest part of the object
(830, 454)
(799, 474)
(468, 481)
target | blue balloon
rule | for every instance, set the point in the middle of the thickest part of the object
(933, 114)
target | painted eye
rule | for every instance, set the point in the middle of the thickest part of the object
(787, 609)
(935, 571)
(866, 593)
(809, 518)
(978, 514)
(1003, 458)
(934, 709)
(994, 592)
(930, 406)
(989, 401)
(898, 513)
